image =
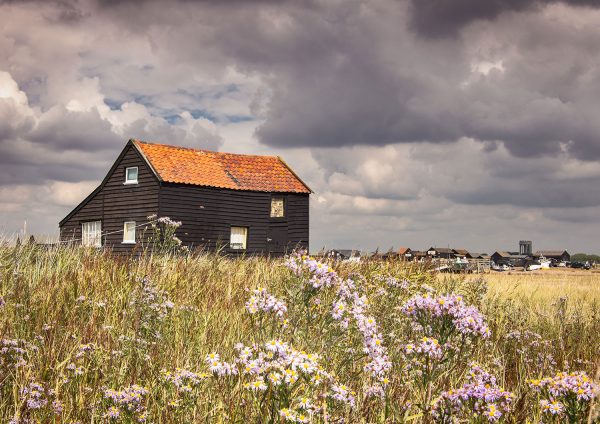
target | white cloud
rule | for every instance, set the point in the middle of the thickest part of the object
(401, 150)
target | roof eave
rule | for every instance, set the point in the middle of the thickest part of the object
(310, 191)
(217, 187)
(134, 143)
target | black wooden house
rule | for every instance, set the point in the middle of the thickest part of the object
(236, 203)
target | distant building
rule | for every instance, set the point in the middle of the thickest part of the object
(390, 254)
(461, 253)
(510, 258)
(525, 247)
(501, 258)
(340, 254)
(440, 252)
(419, 255)
(406, 253)
(555, 255)
(519, 260)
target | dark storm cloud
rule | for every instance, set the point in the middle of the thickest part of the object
(21, 171)
(426, 129)
(373, 91)
(442, 18)
(350, 73)
(62, 130)
(224, 3)
(568, 195)
(439, 18)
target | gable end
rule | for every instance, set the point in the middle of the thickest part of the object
(112, 169)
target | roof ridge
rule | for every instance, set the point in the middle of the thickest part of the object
(178, 164)
(203, 150)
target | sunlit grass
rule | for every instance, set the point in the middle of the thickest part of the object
(546, 286)
(59, 300)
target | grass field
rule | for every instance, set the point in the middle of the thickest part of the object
(545, 286)
(87, 337)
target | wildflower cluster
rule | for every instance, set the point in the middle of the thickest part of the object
(85, 363)
(392, 282)
(532, 350)
(183, 380)
(343, 394)
(427, 346)
(34, 396)
(218, 367)
(163, 238)
(277, 363)
(294, 416)
(449, 326)
(278, 368)
(351, 303)
(39, 402)
(261, 301)
(152, 305)
(14, 353)
(184, 385)
(126, 402)
(568, 394)
(317, 274)
(446, 314)
(480, 397)
(168, 221)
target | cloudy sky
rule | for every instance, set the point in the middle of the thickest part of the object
(466, 123)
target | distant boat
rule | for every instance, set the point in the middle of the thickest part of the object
(543, 263)
(500, 267)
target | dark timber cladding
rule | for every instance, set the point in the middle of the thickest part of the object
(113, 203)
(208, 192)
(207, 215)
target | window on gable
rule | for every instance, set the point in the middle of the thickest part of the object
(91, 234)
(239, 236)
(277, 207)
(129, 232)
(131, 175)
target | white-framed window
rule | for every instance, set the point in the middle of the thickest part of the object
(129, 232)
(277, 207)
(91, 234)
(131, 175)
(239, 236)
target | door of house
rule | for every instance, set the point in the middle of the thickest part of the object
(276, 240)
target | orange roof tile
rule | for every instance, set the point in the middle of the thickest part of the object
(223, 170)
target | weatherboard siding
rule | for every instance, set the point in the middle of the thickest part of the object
(129, 202)
(117, 203)
(91, 211)
(207, 215)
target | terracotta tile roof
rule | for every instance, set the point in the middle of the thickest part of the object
(222, 170)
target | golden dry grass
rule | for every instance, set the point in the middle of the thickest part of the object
(56, 302)
(544, 286)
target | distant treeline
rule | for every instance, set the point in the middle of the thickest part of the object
(583, 257)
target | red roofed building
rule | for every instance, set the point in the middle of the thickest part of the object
(405, 253)
(239, 203)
